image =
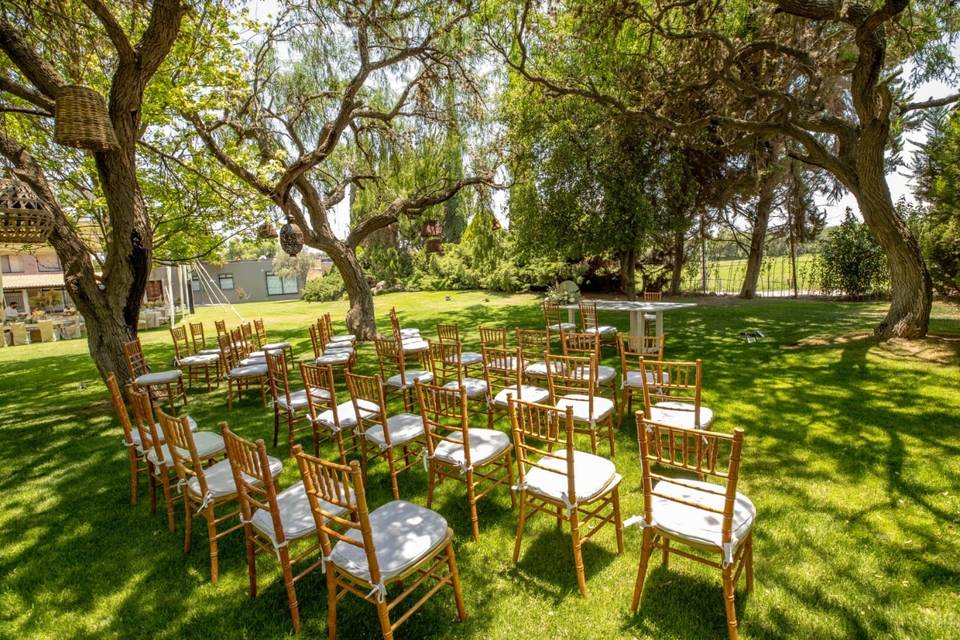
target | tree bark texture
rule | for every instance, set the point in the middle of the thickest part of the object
(758, 235)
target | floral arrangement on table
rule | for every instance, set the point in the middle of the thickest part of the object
(566, 292)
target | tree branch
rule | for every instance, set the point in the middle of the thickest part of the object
(114, 31)
(38, 71)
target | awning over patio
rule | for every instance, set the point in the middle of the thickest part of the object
(32, 280)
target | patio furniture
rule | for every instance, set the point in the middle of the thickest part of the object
(551, 319)
(328, 417)
(194, 364)
(367, 552)
(449, 334)
(381, 435)
(199, 340)
(407, 333)
(583, 344)
(636, 309)
(573, 383)
(134, 451)
(265, 345)
(671, 393)
(533, 344)
(273, 521)
(390, 357)
(633, 349)
(480, 458)
(293, 404)
(591, 324)
(414, 346)
(326, 353)
(556, 479)
(206, 490)
(160, 384)
(713, 520)
(349, 338)
(44, 329)
(18, 333)
(451, 375)
(242, 375)
(495, 337)
(503, 370)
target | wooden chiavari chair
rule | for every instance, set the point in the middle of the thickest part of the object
(551, 319)
(260, 331)
(533, 344)
(712, 519)
(591, 324)
(369, 551)
(414, 347)
(131, 439)
(156, 453)
(293, 404)
(221, 327)
(330, 353)
(381, 434)
(405, 332)
(650, 319)
(633, 349)
(503, 370)
(199, 340)
(573, 383)
(347, 338)
(449, 374)
(480, 458)
(390, 357)
(194, 364)
(583, 344)
(449, 334)
(273, 522)
(671, 393)
(560, 481)
(160, 384)
(242, 349)
(494, 337)
(242, 375)
(330, 419)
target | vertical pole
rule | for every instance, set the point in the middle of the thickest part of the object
(703, 254)
(173, 308)
(189, 288)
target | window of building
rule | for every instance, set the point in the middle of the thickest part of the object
(277, 286)
(48, 264)
(226, 281)
(195, 283)
(11, 264)
(154, 290)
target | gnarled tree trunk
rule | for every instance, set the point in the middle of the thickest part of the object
(628, 273)
(676, 273)
(361, 320)
(758, 235)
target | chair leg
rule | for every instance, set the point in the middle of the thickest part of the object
(577, 555)
(331, 603)
(263, 393)
(665, 553)
(383, 614)
(251, 558)
(729, 604)
(188, 523)
(610, 436)
(748, 559)
(276, 424)
(290, 436)
(472, 499)
(593, 441)
(645, 551)
(134, 478)
(393, 474)
(291, 589)
(431, 484)
(455, 578)
(208, 514)
(618, 519)
(152, 489)
(229, 395)
(513, 496)
(168, 498)
(521, 521)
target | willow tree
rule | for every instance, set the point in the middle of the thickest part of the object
(328, 84)
(842, 109)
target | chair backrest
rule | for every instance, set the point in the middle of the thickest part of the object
(46, 330)
(445, 418)
(240, 344)
(551, 313)
(315, 341)
(18, 331)
(706, 453)
(181, 345)
(179, 439)
(246, 330)
(445, 358)
(254, 481)
(120, 408)
(588, 314)
(221, 326)
(495, 337)
(197, 336)
(321, 390)
(368, 390)
(539, 429)
(580, 344)
(146, 423)
(261, 332)
(448, 332)
(653, 296)
(671, 381)
(230, 356)
(533, 340)
(395, 324)
(331, 482)
(136, 362)
(390, 356)
(572, 374)
(328, 325)
(502, 368)
(277, 376)
(632, 348)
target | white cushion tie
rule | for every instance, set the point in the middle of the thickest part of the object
(207, 500)
(640, 521)
(380, 590)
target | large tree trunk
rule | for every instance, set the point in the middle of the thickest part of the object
(758, 236)
(361, 320)
(628, 273)
(676, 273)
(910, 284)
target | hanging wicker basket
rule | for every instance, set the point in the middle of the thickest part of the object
(291, 239)
(434, 245)
(24, 217)
(81, 120)
(266, 231)
(431, 229)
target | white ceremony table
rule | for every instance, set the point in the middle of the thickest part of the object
(637, 310)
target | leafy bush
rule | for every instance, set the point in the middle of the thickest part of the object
(325, 289)
(565, 292)
(385, 264)
(850, 261)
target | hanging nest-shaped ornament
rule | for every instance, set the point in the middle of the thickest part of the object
(431, 229)
(291, 238)
(434, 245)
(266, 231)
(24, 217)
(81, 120)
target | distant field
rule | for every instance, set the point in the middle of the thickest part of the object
(726, 276)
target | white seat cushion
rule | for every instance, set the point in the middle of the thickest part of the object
(200, 360)
(527, 393)
(208, 444)
(335, 357)
(411, 332)
(298, 399)
(475, 387)
(410, 375)
(402, 428)
(403, 533)
(650, 317)
(253, 362)
(562, 326)
(275, 346)
(605, 373)
(248, 371)
(467, 358)
(338, 347)
(158, 377)
(344, 337)
(347, 415)
(485, 445)
(602, 407)
(135, 433)
(539, 369)
(634, 379)
(415, 346)
(296, 517)
(220, 478)
(603, 330)
(204, 352)
(697, 525)
(680, 414)
(593, 476)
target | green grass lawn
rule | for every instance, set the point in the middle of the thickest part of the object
(852, 456)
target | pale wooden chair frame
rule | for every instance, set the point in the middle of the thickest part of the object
(248, 460)
(581, 344)
(445, 415)
(448, 333)
(412, 354)
(503, 369)
(390, 354)
(200, 345)
(495, 337)
(578, 375)
(697, 452)
(136, 458)
(328, 481)
(446, 368)
(181, 349)
(231, 357)
(331, 335)
(552, 318)
(319, 339)
(537, 341)
(137, 366)
(320, 376)
(160, 472)
(279, 383)
(633, 350)
(589, 318)
(552, 428)
(260, 332)
(371, 389)
(673, 381)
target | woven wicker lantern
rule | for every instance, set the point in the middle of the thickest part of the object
(266, 231)
(81, 120)
(24, 217)
(291, 238)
